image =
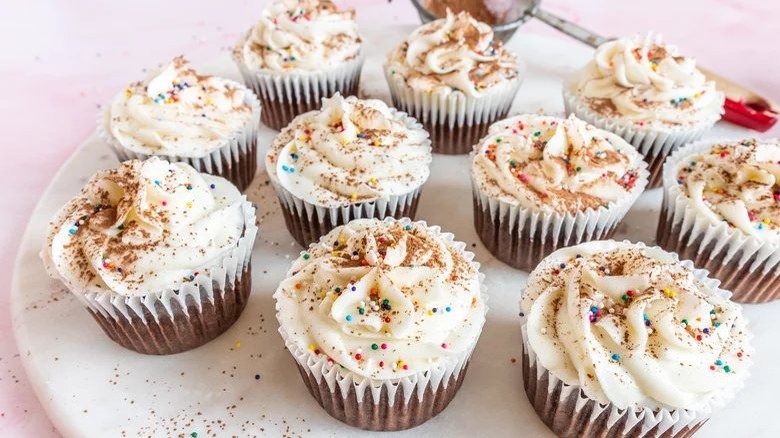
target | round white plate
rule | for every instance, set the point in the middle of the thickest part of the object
(244, 383)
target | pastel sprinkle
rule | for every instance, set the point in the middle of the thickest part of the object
(348, 318)
(615, 357)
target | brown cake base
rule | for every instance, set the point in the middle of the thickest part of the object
(239, 170)
(519, 250)
(748, 286)
(655, 165)
(381, 416)
(278, 113)
(182, 332)
(307, 230)
(451, 140)
(565, 420)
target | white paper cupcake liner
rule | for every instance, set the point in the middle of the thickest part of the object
(362, 390)
(567, 410)
(152, 322)
(285, 95)
(307, 222)
(455, 120)
(746, 265)
(653, 144)
(522, 237)
(235, 160)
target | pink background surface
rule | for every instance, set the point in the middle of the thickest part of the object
(60, 60)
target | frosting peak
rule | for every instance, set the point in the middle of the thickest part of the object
(633, 326)
(179, 112)
(737, 182)
(144, 227)
(384, 299)
(301, 35)
(645, 80)
(453, 53)
(564, 165)
(350, 151)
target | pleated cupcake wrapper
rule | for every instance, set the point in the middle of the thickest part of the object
(455, 121)
(156, 314)
(568, 411)
(747, 266)
(285, 95)
(655, 145)
(307, 222)
(521, 237)
(235, 160)
(384, 404)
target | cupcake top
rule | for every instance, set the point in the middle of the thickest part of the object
(633, 326)
(177, 111)
(736, 182)
(560, 165)
(348, 152)
(455, 53)
(300, 35)
(142, 228)
(383, 299)
(643, 80)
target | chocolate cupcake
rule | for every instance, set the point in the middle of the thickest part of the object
(178, 114)
(721, 210)
(542, 183)
(624, 340)
(351, 159)
(453, 77)
(381, 318)
(646, 92)
(158, 253)
(300, 52)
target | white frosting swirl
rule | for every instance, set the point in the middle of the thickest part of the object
(453, 53)
(550, 164)
(350, 151)
(632, 326)
(646, 81)
(736, 182)
(383, 299)
(305, 35)
(178, 112)
(142, 228)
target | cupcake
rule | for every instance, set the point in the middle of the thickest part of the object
(381, 318)
(542, 183)
(351, 159)
(300, 52)
(624, 340)
(721, 210)
(157, 252)
(452, 76)
(646, 92)
(178, 114)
